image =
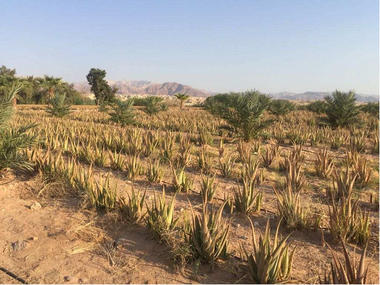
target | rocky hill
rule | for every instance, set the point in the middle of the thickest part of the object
(143, 87)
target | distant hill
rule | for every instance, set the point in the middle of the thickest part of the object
(312, 96)
(143, 87)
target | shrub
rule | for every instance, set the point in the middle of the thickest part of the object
(242, 111)
(341, 110)
(58, 107)
(123, 112)
(154, 105)
(281, 107)
(318, 107)
(371, 108)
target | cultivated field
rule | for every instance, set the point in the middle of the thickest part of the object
(104, 218)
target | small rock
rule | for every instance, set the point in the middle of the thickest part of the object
(18, 245)
(256, 224)
(237, 225)
(33, 238)
(67, 278)
(35, 206)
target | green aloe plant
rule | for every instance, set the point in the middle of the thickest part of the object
(269, 263)
(208, 235)
(132, 209)
(160, 216)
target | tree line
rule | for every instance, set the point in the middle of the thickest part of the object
(39, 90)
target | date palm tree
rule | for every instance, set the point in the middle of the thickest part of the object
(341, 109)
(182, 97)
(51, 84)
(12, 140)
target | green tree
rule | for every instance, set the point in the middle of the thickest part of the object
(281, 107)
(58, 107)
(243, 111)
(123, 112)
(12, 140)
(153, 105)
(99, 86)
(182, 97)
(341, 109)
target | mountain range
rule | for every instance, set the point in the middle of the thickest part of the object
(143, 87)
(312, 96)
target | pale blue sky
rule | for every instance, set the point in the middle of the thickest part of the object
(220, 45)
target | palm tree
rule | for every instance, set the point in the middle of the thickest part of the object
(12, 140)
(51, 84)
(341, 109)
(182, 97)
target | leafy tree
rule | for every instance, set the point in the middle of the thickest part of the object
(123, 112)
(341, 110)
(243, 111)
(281, 107)
(12, 140)
(58, 107)
(99, 86)
(371, 108)
(182, 98)
(153, 105)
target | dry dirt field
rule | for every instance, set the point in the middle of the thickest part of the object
(56, 230)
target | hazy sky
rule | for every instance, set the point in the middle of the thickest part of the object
(284, 45)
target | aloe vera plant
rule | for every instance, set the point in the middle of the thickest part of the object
(132, 209)
(103, 196)
(291, 211)
(343, 184)
(154, 173)
(208, 235)
(270, 155)
(323, 164)
(247, 199)
(348, 222)
(160, 216)
(347, 272)
(269, 263)
(208, 188)
(181, 182)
